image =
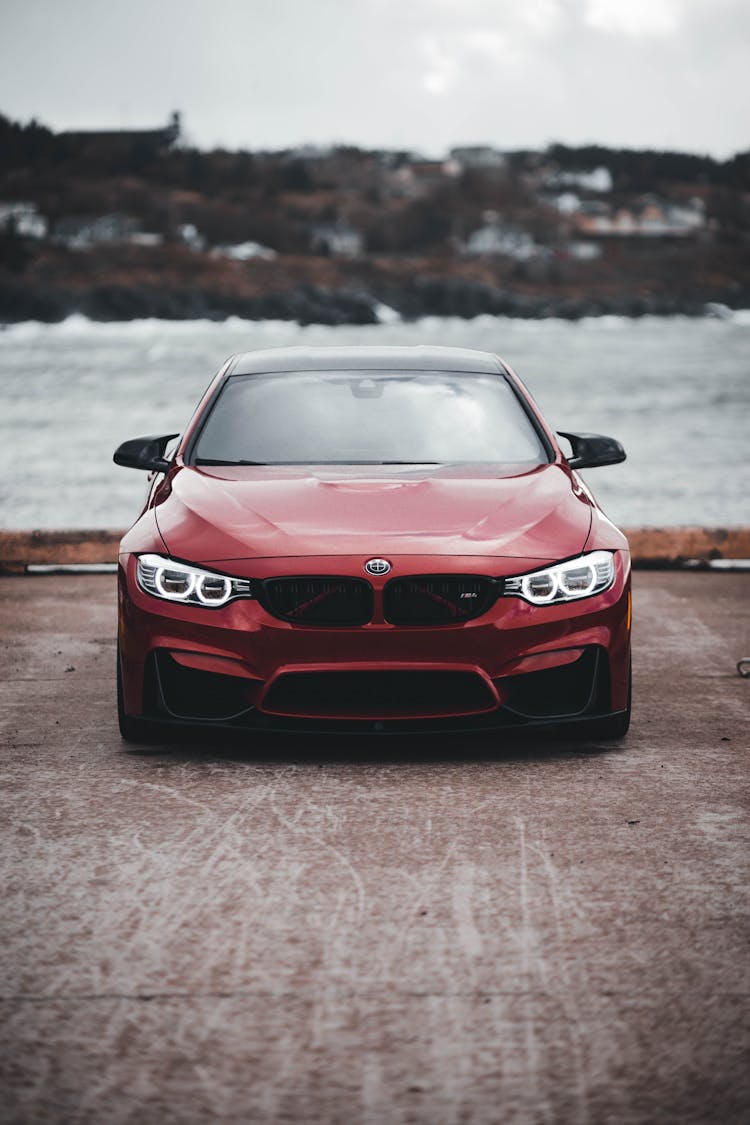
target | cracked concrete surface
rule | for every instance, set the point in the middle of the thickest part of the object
(528, 931)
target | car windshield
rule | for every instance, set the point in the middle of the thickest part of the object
(368, 417)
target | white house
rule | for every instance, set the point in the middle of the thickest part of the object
(244, 252)
(585, 179)
(511, 242)
(478, 156)
(23, 219)
(79, 232)
(336, 240)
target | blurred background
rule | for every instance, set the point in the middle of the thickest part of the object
(565, 182)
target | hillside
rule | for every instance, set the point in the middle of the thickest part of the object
(120, 225)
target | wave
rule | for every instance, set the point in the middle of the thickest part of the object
(77, 324)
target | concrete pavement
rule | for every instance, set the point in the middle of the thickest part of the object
(533, 931)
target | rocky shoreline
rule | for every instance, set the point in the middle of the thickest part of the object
(308, 303)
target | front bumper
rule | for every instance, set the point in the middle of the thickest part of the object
(517, 665)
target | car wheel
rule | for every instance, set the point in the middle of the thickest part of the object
(131, 729)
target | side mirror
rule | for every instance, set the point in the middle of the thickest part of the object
(590, 450)
(144, 453)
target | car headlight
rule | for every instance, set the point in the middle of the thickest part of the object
(178, 582)
(567, 581)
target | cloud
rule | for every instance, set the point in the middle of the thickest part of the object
(424, 74)
(634, 17)
(541, 17)
(453, 54)
(442, 69)
(485, 41)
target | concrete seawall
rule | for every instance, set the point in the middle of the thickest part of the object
(650, 546)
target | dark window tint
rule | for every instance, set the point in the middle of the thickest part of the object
(375, 416)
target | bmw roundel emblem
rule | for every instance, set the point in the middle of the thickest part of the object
(377, 566)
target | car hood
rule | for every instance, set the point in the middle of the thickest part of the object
(213, 514)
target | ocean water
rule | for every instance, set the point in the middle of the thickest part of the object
(674, 391)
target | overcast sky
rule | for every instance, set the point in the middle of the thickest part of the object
(420, 74)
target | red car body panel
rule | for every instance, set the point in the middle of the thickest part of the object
(262, 522)
(283, 512)
(263, 647)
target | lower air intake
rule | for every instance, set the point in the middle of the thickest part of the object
(190, 694)
(378, 695)
(555, 692)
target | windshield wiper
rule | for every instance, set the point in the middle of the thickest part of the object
(218, 461)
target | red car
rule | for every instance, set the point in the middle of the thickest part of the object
(374, 539)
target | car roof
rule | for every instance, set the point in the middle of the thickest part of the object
(420, 358)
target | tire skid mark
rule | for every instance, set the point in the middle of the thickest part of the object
(532, 964)
(566, 990)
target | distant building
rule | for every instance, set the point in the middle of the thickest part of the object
(583, 251)
(415, 179)
(589, 179)
(310, 152)
(498, 239)
(478, 156)
(122, 143)
(656, 217)
(647, 217)
(567, 203)
(145, 238)
(244, 252)
(401, 183)
(428, 175)
(191, 236)
(22, 219)
(336, 240)
(80, 232)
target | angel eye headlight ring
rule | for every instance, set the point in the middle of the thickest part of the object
(179, 582)
(582, 577)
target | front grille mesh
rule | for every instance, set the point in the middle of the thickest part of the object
(417, 600)
(437, 600)
(319, 601)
